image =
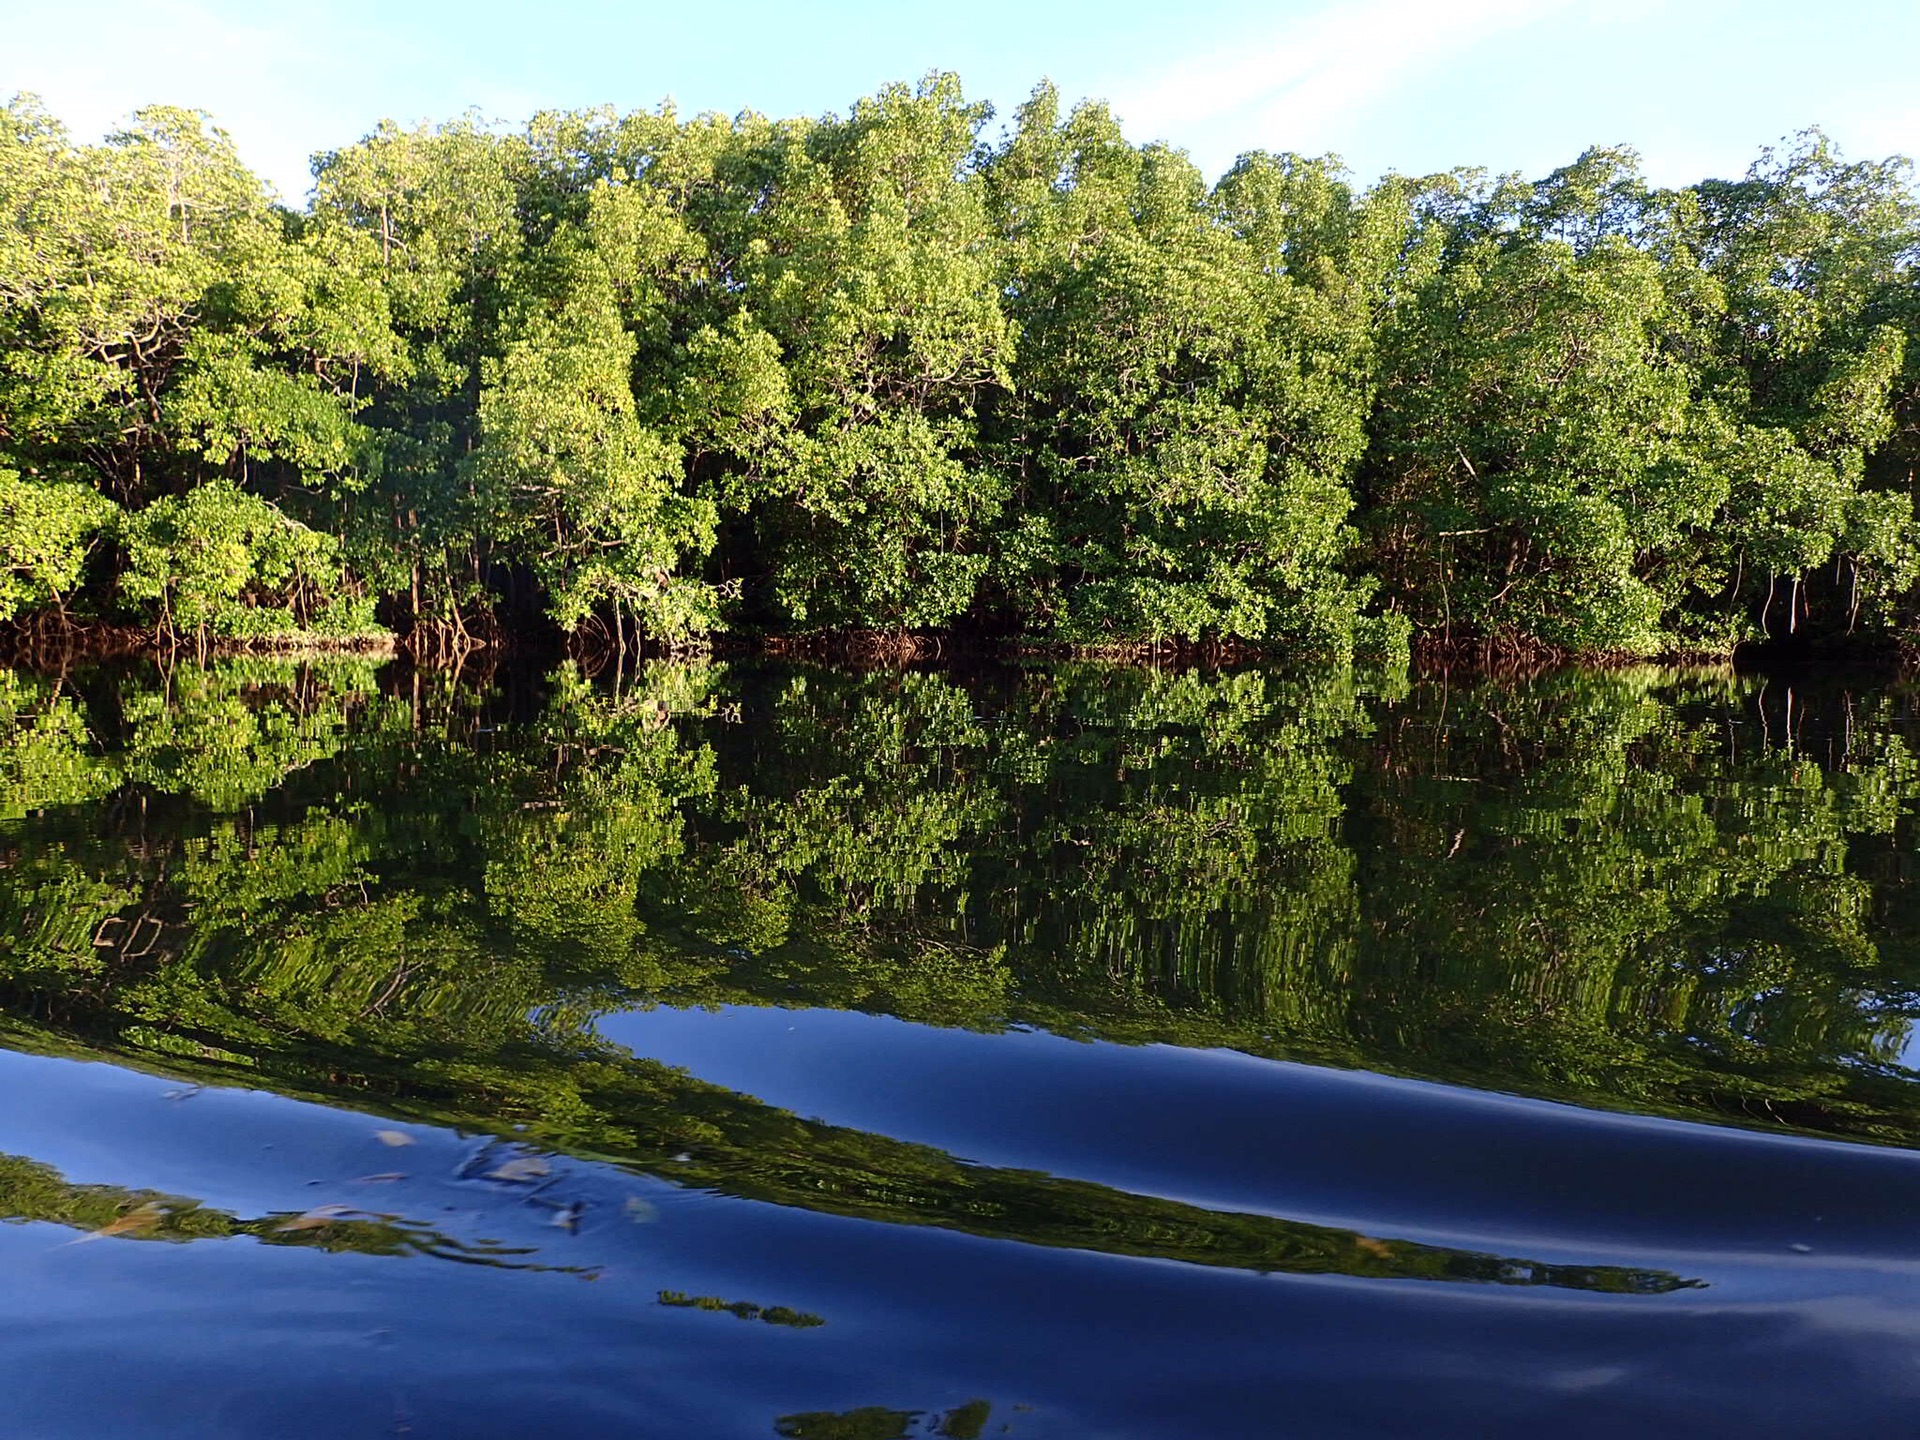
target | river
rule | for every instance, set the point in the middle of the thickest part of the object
(745, 1049)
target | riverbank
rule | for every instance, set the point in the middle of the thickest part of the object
(41, 645)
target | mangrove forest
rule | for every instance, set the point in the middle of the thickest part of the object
(914, 371)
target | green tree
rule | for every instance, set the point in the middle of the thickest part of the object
(1188, 401)
(578, 488)
(47, 529)
(220, 562)
(436, 211)
(868, 262)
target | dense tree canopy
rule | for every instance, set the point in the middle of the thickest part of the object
(900, 370)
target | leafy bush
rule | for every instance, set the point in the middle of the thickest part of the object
(218, 562)
(46, 530)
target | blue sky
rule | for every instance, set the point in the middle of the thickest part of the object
(1697, 86)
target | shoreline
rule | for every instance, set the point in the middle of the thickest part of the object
(38, 646)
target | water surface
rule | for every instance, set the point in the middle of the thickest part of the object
(1069, 1051)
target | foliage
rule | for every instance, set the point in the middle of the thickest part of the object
(1192, 383)
(1611, 424)
(218, 561)
(46, 532)
(892, 371)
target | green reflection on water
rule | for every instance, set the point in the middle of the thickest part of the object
(1681, 894)
(33, 1192)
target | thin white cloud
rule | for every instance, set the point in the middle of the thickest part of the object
(1299, 84)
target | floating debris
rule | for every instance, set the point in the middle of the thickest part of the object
(315, 1218)
(138, 1223)
(521, 1170)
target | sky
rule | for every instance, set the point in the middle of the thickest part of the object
(1698, 87)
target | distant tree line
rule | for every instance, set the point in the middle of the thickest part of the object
(897, 371)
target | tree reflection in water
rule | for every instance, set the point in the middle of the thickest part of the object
(414, 894)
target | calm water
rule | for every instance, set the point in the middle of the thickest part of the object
(742, 1050)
